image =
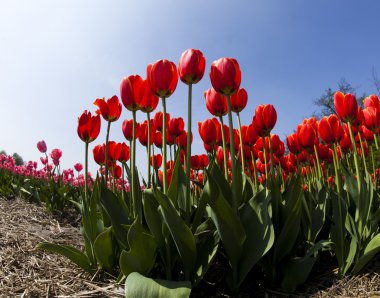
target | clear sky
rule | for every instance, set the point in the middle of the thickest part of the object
(57, 57)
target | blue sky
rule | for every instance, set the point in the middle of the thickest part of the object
(57, 57)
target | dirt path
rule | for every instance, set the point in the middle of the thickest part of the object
(27, 272)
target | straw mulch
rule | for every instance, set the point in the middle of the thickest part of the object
(27, 272)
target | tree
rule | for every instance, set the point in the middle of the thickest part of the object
(3, 152)
(376, 80)
(326, 101)
(18, 159)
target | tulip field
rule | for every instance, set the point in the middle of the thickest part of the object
(252, 203)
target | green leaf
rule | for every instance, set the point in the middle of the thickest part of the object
(372, 248)
(259, 230)
(118, 214)
(137, 286)
(142, 253)
(177, 187)
(180, 232)
(227, 222)
(72, 253)
(105, 250)
(221, 181)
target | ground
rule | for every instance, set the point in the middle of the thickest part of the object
(27, 272)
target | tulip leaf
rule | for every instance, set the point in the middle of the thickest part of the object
(226, 220)
(118, 214)
(141, 255)
(73, 254)
(177, 187)
(137, 286)
(372, 248)
(222, 183)
(180, 232)
(259, 230)
(105, 249)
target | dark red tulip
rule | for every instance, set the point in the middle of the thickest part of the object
(127, 128)
(143, 133)
(293, 143)
(346, 106)
(249, 134)
(78, 167)
(124, 153)
(265, 119)
(239, 100)
(330, 130)
(110, 109)
(157, 139)
(176, 126)
(88, 127)
(156, 161)
(158, 121)
(345, 143)
(366, 133)
(41, 145)
(99, 154)
(225, 76)
(182, 140)
(114, 150)
(191, 66)
(162, 77)
(132, 91)
(216, 103)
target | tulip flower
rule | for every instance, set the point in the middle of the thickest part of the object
(132, 92)
(41, 146)
(371, 118)
(158, 120)
(346, 106)
(88, 127)
(216, 103)
(78, 167)
(99, 154)
(191, 66)
(371, 101)
(156, 161)
(162, 77)
(56, 154)
(239, 100)
(306, 136)
(293, 143)
(330, 130)
(207, 131)
(110, 109)
(225, 76)
(176, 126)
(127, 129)
(265, 119)
(182, 140)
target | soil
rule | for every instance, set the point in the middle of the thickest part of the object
(27, 272)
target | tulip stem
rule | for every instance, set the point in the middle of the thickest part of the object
(363, 154)
(165, 174)
(148, 150)
(265, 161)
(188, 154)
(355, 154)
(224, 148)
(232, 153)
(122, 181)
(254, 169)
(318, 164)
(241, 142)
(106, 152)
(133, 167)
(85, 200)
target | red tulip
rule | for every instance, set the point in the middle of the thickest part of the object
(176, 126)
(239, 100)
(330, 130)
(306, 136)
(345, 143)
(249, 134)
(88, 127)
(99, 154)
(110, 109)
(156, 161)
(182, 140)
(191, 67)
(114, 150)
(367, 134)
(372, 101)
(216, 103)
(294, 145)
(132, 91)
(208, 131)
(41, 146)
(157, 139)
(124, 153)
(78, 167)
(44, 161)
(158, 121)
(371, 117)
(143, 133)
(162, 77)
(346, 106)
(225, 76)
(149, 101)
(127, 128)
(265, 119)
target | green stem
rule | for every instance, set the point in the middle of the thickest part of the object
(122, 182)
(232, 153)
(265, 161)
(148, 150)
(241, 142)
(318, 163)
(362, 153)
(355, 154)
(85, 201)
(254, 170)
(373, 159)
(224, 148)
(133, 165)
(106, 152)
(165, 174)
(271, 156)
(188, 154)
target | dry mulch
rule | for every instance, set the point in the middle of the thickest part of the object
(27, 272)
